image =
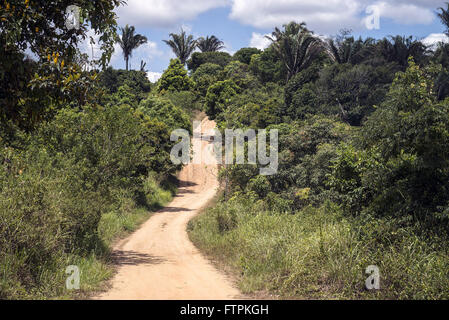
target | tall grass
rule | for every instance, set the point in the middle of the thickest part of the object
(318, 253)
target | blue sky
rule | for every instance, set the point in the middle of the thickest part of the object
(243, 23)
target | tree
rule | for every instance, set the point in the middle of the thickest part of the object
(244, 55)
(345, 49)
(296, 46)
(206, 75)
(129, 41)
(268, 67)
(218, 97)
(143, 65)
(27, 87)
(163, 110)
(210, 44)
(182, 45)
(199, 58)
(399, 49)
(444, 17)
(175, 78)
(441, 57)
(402, 168)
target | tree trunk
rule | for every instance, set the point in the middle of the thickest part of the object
(127, 61)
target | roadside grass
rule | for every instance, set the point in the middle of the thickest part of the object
(319, 253)
(96, 267)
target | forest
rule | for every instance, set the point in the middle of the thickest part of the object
(363, 174)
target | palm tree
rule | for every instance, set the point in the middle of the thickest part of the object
(129, 42)
(399, 49)
(182, 45)
(344, 49)
(444, 17)
(441, 56)
(143, 65)
(210, 44)
(296, 46)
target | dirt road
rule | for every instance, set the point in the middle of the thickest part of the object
(159, 262)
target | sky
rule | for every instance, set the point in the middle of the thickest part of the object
(244, 23)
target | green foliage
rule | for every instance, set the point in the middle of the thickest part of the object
(244, 55)
(205, 76)
(30, 92)
(300, 97)
(296, 47)
(352, 91)
(175, 78)
(199, 58)
(187, 101)
(267, 67)
(399, 49)
(111, 79)
(38, 24)
(166, 112)
(55, 191)
(406, 162)
(254, 108)
(218, 97)
(240, 74)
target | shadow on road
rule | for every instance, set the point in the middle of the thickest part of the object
(131, 258)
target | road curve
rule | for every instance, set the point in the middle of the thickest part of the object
(158, 262)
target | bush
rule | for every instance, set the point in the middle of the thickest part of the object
(54, 194)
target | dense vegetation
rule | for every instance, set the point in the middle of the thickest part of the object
(363, 175)
(85, 155)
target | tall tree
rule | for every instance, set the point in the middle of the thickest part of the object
(399, 49)
(129, 41)
(345, 49)
(182, 45)
(441, 57)
(40, 27)
(296, 46)
(210, 44)
(143, 65)
(444, 17)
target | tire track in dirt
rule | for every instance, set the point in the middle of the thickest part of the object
(158, 262)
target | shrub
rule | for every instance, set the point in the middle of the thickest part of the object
(175, 78)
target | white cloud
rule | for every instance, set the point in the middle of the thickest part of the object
(434, 38)
(154, 76)
(406, 12)
(164, 13)
(259, 41)
(322, 16)
(330, 16)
